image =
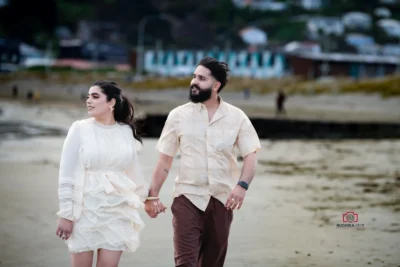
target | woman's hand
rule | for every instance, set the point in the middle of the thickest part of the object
(64, 228)
(154, 207)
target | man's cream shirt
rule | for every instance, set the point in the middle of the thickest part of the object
(208, 164)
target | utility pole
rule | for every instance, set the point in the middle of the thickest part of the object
(140, 45)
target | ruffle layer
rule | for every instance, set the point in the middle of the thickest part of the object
(110, 217)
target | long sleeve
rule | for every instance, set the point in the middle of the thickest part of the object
(67, 173)
(136, 174)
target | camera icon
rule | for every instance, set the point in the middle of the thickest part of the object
(350, 217)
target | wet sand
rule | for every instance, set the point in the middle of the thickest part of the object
(289, 217)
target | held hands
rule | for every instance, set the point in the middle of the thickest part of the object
(64, 228)
(153, 207)
(235, 199)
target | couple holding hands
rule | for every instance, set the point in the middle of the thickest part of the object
(101, 185)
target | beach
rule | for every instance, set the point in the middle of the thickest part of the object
(292, 214)
(329, 107)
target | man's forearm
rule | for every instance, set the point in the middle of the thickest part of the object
(249, 167)
(160, 174)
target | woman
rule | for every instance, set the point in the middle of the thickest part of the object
(101, 187)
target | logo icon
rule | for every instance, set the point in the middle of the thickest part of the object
(350, 217)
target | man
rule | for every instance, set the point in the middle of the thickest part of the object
(280, 103)
(208, 186)
(15, 92)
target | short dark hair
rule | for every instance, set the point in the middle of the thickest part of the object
(219, 70)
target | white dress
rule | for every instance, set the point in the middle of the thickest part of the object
(101, 187)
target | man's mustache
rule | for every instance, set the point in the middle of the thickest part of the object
(194, 87)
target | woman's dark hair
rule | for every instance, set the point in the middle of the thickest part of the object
(123, 109)
(219, 70)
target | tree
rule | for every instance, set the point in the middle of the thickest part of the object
(25, 20)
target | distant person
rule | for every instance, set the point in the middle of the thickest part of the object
(15, 92)
(36, 97)
(280, 103)
(83, 96)
(29, 95)
(246, 93)
(101, 185)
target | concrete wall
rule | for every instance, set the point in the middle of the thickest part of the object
(299, 129)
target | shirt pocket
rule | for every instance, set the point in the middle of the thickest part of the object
(192, 137)
(225, 139)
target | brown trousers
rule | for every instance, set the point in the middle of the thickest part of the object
(200, 238)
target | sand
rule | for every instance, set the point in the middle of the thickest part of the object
(289, 217)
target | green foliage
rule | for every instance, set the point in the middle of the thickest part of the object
(288, 31)
(223, 13)
(35, 24)
(38, 69)
(388, 86)
(71, 12)
(23, 20)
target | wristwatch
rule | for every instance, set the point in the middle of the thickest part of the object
(243, 184)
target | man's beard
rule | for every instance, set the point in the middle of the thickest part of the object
(203, 95)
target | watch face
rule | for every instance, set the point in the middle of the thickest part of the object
(243, 184)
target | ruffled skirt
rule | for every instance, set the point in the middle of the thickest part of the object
(110, 218)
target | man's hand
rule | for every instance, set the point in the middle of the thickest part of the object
(235, 199)
(154, 207)
(64, 228)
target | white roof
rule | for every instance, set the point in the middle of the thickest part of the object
(383, 12)
(252, 35)
(344, 57)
